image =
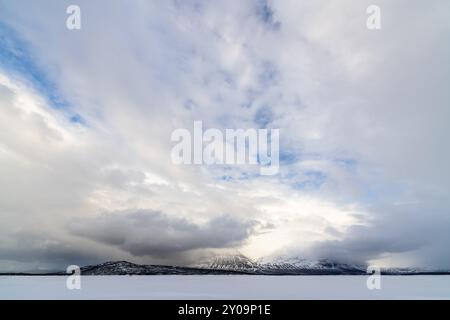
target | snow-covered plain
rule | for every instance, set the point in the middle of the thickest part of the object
(225, 287)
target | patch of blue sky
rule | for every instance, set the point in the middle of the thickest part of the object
(288, 157)
(268, 75)
(311, 180)
(17, 60)
(239, 176)
(228, 78)
(225, 177)
(382, 191)
(266, 14)
(249, 100)
(347, 163)
(77, 119)
(189, 104)
(263, 117)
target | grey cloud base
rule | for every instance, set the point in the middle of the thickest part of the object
(150, 233)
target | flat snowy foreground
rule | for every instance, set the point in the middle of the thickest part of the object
(225, 287)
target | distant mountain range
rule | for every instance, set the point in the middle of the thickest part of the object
(279, 266)
(238, 264)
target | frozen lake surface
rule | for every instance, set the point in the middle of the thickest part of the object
(225, 287)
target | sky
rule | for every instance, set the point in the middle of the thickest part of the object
(86, 118)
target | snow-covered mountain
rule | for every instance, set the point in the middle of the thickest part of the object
(230, 262)
(128, 268)
(297, 264)
(279, 265)
(237, 263)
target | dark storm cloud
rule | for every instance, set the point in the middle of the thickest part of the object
(152, 233)
(31, 251)
(424, 228)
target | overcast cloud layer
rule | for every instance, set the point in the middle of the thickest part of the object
(86, 118)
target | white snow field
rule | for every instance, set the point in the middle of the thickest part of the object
(225, 287)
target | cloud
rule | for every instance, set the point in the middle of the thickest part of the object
(362, 117)
(40, 250)
(415, 231)
(153, 233)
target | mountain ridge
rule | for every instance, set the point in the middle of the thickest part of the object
(239, 264)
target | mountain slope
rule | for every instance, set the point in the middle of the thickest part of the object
(281, 265)
(128, 268)
(239, 264)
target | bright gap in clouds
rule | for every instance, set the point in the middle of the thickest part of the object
(86, 118)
